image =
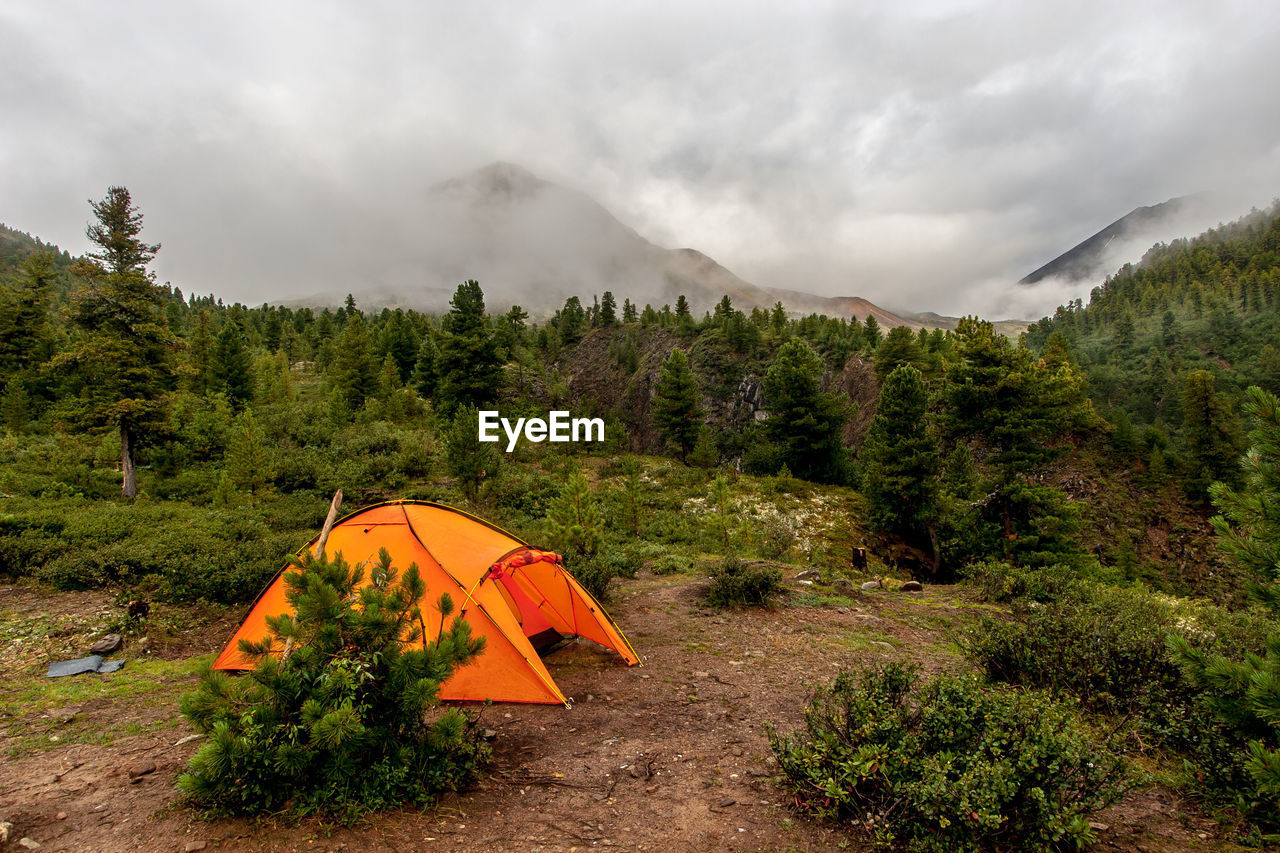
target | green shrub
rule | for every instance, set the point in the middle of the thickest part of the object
(952, 766)
(594, 573)
(1110, 648)
(338, 726)
(1107, 648)
(735, 583)
(1002, 582)
(669, 564)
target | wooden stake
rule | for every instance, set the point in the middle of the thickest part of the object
(324, 537)
(328, 523)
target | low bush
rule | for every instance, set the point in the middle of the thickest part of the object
(1110, 648)
(999, 581)
(951, 766)
(735, 583)
(339, 725)
(595, 575)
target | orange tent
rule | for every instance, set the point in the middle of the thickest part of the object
(517, 598)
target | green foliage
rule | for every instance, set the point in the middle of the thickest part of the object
(575, 520)
(353, 373)
(469, 459)
(950, 766)
(899, 458)
(900, 347)
(1248, 525)
(230, 366)
(676, 412)
(736, 583)
(122, 360)
(469, 370)
(805, 422)
(1245, 694)
(334, 716)
(1210, 431)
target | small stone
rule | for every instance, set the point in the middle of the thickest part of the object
(754, 654)
(805, 583)
(489, 734)
(193, 846)
(28, 843)
(142, 768)
(912, 586)
(107, 644)
(1098, 827)
(62, 815)
(701, 674)
(188, 739)
(871, 585)
(808, 575)
(843, 586)
(882, 644)
(5, 829)
(727, 801)
(651, 789)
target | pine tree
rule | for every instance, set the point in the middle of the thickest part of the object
(628, 312)
(675, 406)
(426, 374)
(231, 366)
(470, 371)
(608, 310)
(1246, 693)
(468, 459)
(353, 372)
(25, 334)
(805, 422)
(248, 460)
(338, 713)
(123, 358)
(1210, 430)
(200, 355)
(900, 460)
(871, 333)
(899, 347)
(575, 521)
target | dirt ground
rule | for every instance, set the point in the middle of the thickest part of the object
(671, 755)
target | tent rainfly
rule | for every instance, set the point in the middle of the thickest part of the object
(517, 598)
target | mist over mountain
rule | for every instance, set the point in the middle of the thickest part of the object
(535, 243)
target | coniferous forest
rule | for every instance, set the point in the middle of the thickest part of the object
(1091, 509)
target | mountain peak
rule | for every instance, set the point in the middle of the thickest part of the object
(498, 180)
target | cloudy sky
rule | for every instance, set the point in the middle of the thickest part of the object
(925, 157)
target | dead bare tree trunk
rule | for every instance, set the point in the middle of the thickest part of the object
(328, 523)
(324, 537)
(130, 486)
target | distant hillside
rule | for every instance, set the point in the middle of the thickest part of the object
(535, 243)
(1092, 258)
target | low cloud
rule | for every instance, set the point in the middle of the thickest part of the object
(925, 156)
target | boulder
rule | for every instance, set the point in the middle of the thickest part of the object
(870, 585)
(809, 575)
(107, 644)
(912, 586)
(842, 586)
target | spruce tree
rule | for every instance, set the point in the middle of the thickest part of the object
(608, 310)
(575, 521)
(1245, 693)
(353, 372)
(25, 334)
(804, 422)
(469, 460)
(900, 459)
(122, 359)
(871, 333)
(426, 375)
(231, 366)
(1210, 430)
(675, 406)
(899, 347)
(470, 371)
